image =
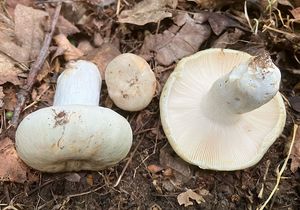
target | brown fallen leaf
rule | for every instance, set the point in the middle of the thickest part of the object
(90, 179)
(147, 11)
(74, 10)
(102, 56)
(8, 71)
(29, 34)
(11, 5)
(10, 98)
(295, 154)
(63, 25)
(85, 46)
(295, 103)
(285, 2)
(228, 38)
(154, 168)
(181, 169)
(70, 51)
(172, 45)
(219, 22)
(214, 4)
(296, 13)
(98, 40)
(11, 167)
(73, 177)
(184, 198)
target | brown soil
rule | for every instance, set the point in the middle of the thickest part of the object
(141, 189)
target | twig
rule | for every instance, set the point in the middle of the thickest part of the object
(127, 164)
(35, 68)
(260, 194)
(118, 7)
(280, 172)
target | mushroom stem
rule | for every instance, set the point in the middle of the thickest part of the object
(79, 84)
(247, 87)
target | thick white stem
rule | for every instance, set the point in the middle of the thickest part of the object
(79, 84)
(247, 87)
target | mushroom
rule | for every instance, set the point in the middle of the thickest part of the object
(130, 82)
(75, 133)
(221, 109)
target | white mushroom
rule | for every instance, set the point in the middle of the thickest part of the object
(130, 82)
(221, 109)
(75, 133)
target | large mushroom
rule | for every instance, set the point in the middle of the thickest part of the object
(221, 109)
(75, 133)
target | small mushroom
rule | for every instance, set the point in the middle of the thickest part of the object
(75, 133)
(130, 82)
(221, 109)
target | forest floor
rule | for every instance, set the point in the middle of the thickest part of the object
(151, 176)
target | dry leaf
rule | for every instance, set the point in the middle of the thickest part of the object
(11, 167)
(219, 22)
(168, 172)
(10, 99)
(172, 45)
(154, 168)
(46, 69)
(90, 179)
(147, 11)
(214, 4)
(70, 51)
(295, 103)
(45, 93)
(228, 38)
(29, 29)
(184, 198)
(11, 5)
(63, 25)
(98, 40)
(295, 154)
(102, 56)
(296, 13)
(285, 2)
(85, 46)
(73, 10)
(29, 34)
(73, 177)
(181, 169)
(8, 72)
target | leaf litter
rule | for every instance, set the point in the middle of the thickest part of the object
(166, 176)
(28, 34)
(147, 11)
(8, 71)
(181, 39)
(16, 170)
(184, 198)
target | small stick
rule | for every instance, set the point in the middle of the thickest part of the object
(35, 68)
(118, 7)
(280, 172)
(127, 164)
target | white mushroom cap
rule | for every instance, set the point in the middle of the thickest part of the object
(73, 138)
(221, 109)
(130, 82)
(75, 133)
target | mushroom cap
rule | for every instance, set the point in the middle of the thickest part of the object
(202, 141)
(73, 138)
(130, 82)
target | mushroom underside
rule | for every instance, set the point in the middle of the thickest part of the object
(215, 144)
